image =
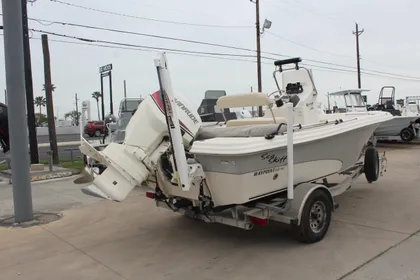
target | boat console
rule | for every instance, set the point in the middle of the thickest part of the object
(207, 109)
(386, 103)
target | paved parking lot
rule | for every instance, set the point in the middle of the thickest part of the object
(374, 235)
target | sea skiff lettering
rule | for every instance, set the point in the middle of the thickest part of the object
(272, 158)
(267, 171)
(186, 110)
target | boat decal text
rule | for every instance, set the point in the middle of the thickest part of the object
(186, 110)
(272, 158)
(267, 171)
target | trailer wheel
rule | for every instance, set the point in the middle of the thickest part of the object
(407, 134)
(315, 219)
(371, 166)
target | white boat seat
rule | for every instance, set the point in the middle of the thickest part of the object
(255, 121)
(208, 132)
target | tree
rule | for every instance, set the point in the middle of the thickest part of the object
(96, 95)
(74, 116)
(53, 87)
(40, 101)
(41, 119)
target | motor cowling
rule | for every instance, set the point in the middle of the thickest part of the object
(148, 125)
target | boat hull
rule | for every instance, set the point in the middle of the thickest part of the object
(238, 179)
(394, 126)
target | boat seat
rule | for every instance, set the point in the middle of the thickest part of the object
(255, 121)
(208, 132)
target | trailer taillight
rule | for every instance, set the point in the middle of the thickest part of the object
(258, 221)
(150, 194)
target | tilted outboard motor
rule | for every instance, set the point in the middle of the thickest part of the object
(130, 163)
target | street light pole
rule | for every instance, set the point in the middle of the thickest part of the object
(15, 81)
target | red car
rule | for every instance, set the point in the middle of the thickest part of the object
(95, 128)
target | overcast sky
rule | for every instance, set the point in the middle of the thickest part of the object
(322, 30)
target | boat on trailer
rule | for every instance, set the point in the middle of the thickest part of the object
(269, 168)
(403, 126)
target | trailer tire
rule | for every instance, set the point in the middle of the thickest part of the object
(371, 166)
(315, 219)
(407, 134)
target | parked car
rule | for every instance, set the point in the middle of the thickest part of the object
(94, 128)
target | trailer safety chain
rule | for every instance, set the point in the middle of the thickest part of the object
(384, 163)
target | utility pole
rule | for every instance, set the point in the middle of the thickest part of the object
(30, 108)
(258, 33)
(358, 33)
(49, 97)
(15, 81)
(102, 98)
(125, 89)
(125, 95)
(110, 93)
(328, 96)
(252, 110)
(77, 109)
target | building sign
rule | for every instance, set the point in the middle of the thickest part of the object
(105, 68)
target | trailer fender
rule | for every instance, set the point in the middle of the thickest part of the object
(301, 194)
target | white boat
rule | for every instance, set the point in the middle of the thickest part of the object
(242, 161)
(405, 123)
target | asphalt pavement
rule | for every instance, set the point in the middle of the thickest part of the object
(374, 234)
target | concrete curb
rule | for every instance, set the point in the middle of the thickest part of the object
(46, 175)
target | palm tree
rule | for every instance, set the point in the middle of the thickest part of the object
(96, 95)
(53, 87)
(74, 116)
(40, 101)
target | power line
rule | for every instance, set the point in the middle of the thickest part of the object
(179, 51)
(208, 44)
(133, 45)
(139, 34)
(304, 46)
(146, 50)
(311, 11)
(146, 18)
(316, 67)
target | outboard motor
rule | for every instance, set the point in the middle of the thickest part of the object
(146, 138)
